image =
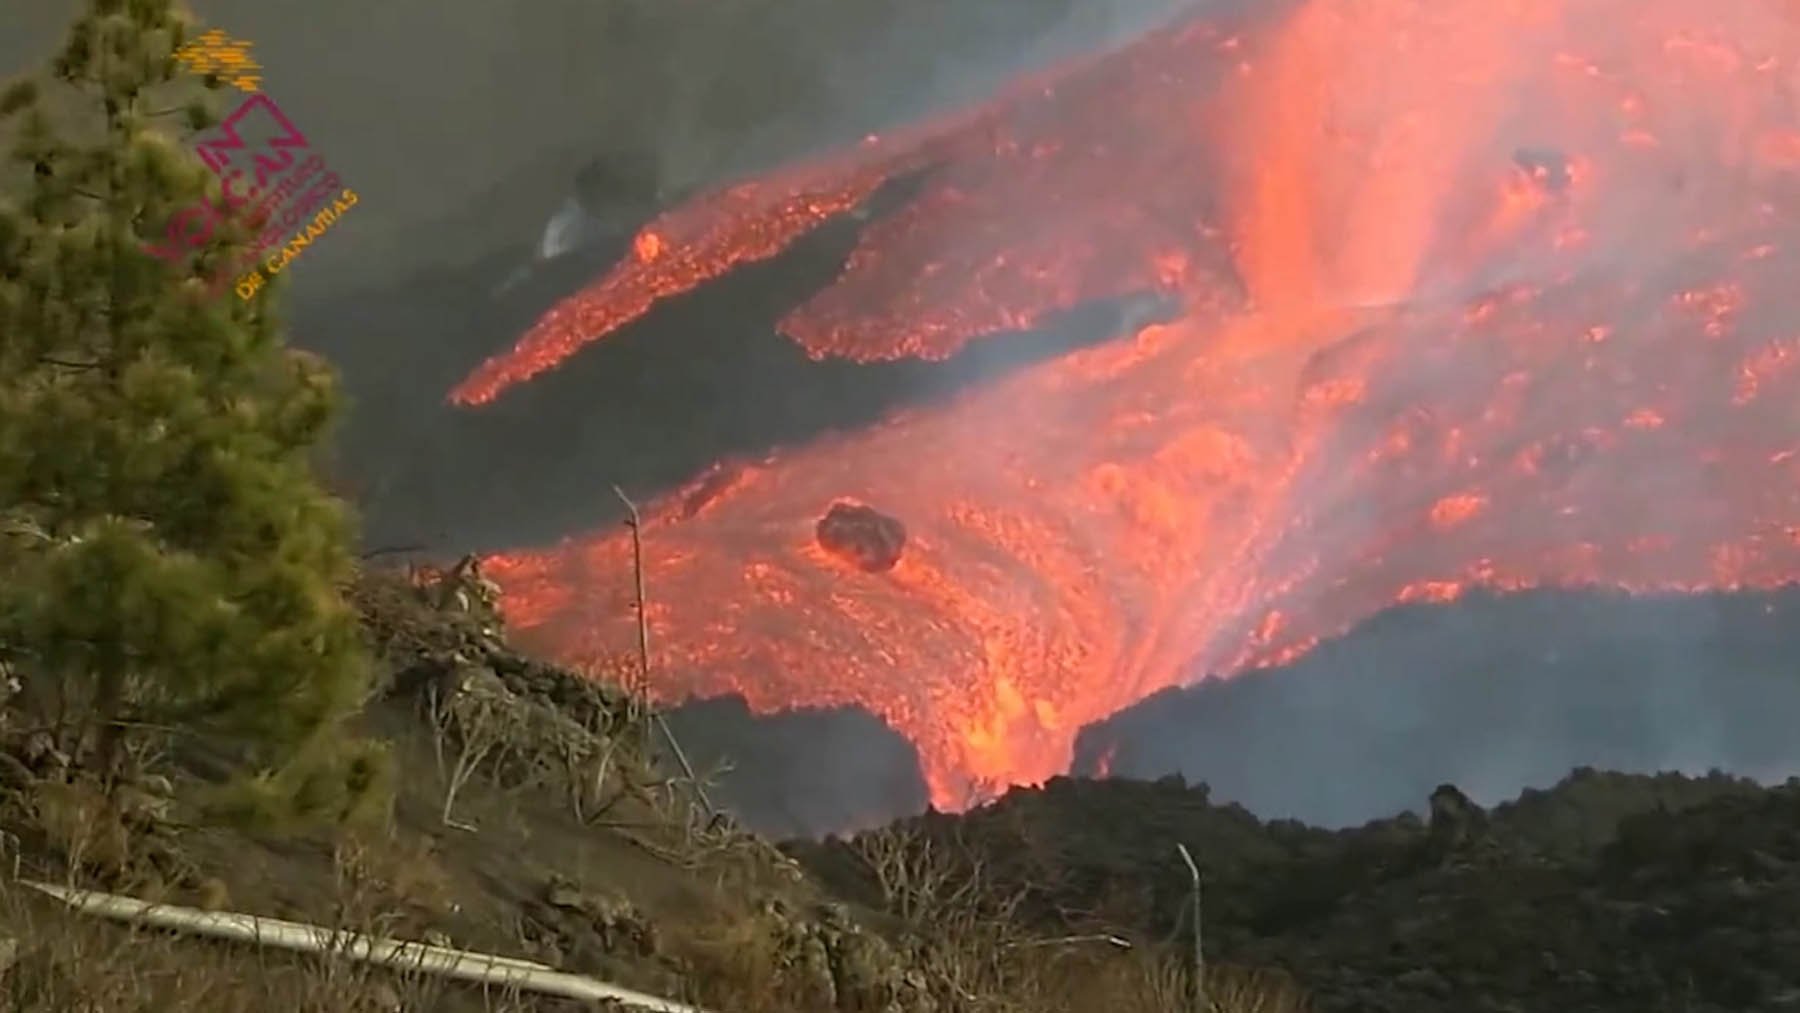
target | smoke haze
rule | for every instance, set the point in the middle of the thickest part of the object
(465, 129)
(466, 123)
(1491, 694)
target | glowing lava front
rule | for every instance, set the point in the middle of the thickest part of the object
(1496, 292)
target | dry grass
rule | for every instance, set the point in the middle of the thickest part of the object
(583, 755)
(739, 967)
(978, 960)
(72, 963)
(1099, 979)
(956, 938)
(66, 962)
(1153, 982)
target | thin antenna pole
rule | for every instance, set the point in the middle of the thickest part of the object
(1197, 986)
(649, 714)
(640, 692)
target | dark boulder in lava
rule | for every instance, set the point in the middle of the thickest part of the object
(863, 536)
(1547, 167)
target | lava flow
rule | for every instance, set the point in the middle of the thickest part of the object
(1476, 292)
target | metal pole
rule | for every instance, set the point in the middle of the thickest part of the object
(648, 715)
(641, 692)
(1198, 985)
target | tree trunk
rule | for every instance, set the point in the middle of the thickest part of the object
(109, 699)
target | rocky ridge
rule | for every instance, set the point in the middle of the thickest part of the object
(1605, 893)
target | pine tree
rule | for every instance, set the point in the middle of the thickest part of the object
(168, 557)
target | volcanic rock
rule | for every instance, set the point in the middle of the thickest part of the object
(610, 919)
(1450, 807)
(824, 955)
(1608, 893)
(1454, 818)
(1550, 168)
(863, 536)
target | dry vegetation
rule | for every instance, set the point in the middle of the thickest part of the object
(66, 962)
(746, 932)
(380, 873)
(974, 948)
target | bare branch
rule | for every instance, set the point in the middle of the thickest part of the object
(390, 550)
(66, 364)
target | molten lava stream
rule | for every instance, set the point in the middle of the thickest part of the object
(1579, 216)
(994, 170)
(1043, 589)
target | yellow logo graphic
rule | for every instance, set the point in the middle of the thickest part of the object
(229, 58)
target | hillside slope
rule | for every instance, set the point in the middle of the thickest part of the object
(1605, 893)
(560, 846)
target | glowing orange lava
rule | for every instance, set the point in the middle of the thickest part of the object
(1478, 292)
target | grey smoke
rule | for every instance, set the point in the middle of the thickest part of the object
(1493, 694)
(892, 66)
(465, 124)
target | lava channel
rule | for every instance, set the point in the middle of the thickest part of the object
(1477, 293)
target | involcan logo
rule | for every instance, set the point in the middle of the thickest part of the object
(266, 165)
